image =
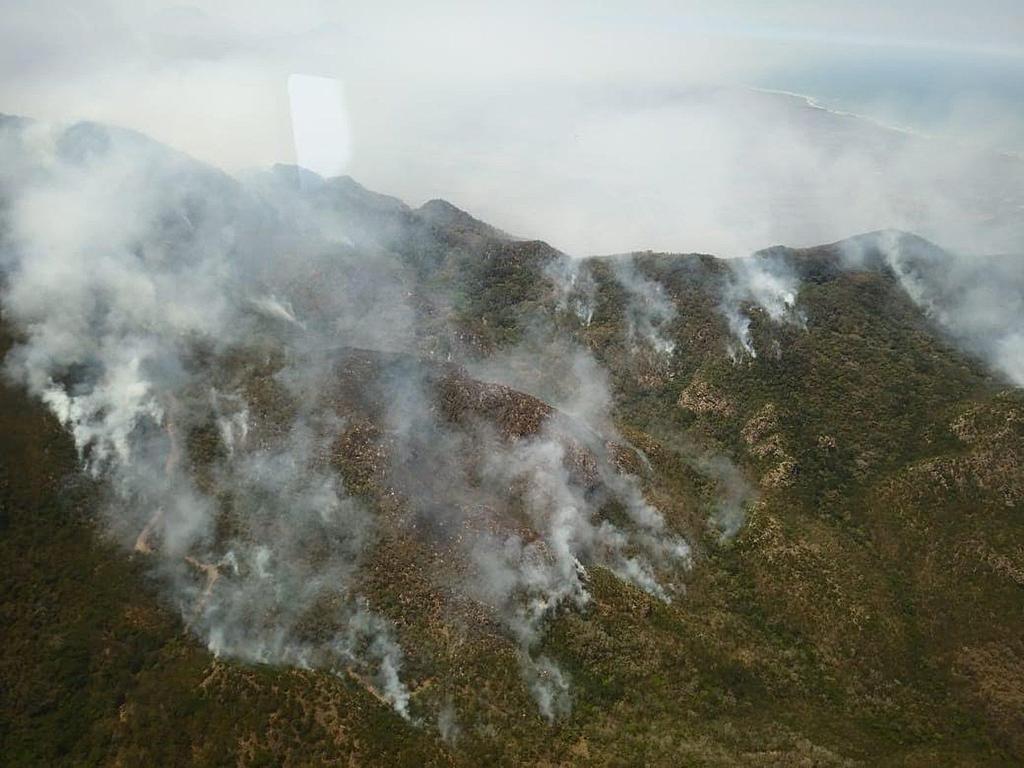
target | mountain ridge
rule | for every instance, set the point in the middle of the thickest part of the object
(796, 479)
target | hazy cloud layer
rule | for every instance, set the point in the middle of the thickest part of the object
(598, 130)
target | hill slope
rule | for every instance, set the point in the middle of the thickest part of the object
(420, 493)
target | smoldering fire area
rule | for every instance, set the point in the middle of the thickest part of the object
(254, 384)
(407, 450)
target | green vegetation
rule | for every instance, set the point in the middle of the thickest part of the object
(869, 612)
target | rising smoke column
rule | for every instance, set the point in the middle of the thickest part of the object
(766, 281)
(575, 288)
(649, 310)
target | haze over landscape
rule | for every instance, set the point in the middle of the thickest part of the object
(604, 385)
(600, 129)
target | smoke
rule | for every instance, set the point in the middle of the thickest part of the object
(765, 282)
(734, 493)
(187, 326)
(556, 369)
(272, 307)
(529, 578)
(575, 287)
(549, 685)
(200, 338)
(649, 311)
(137, 274)
(232, 417)
(448, 723)
(978, 301)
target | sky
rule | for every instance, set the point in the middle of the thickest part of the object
(599, 127)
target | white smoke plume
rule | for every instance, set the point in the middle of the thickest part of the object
(978, 300)
(549, 685)
(649, 310)
(764, 281)
(530, 580)
(575, 287)
(448, 723)
(735, 493)
(128, 263)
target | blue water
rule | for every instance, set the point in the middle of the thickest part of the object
(972, 94)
